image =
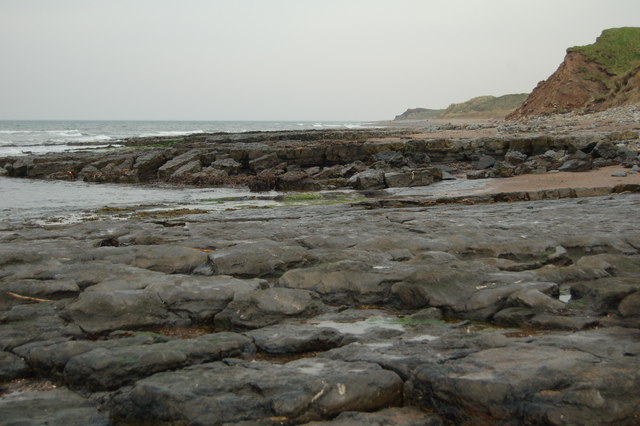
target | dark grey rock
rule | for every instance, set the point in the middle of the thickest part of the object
(190, 168)
(51, 357)
(515, 157)
(265, 162)
(228, 165)
(630, 305)
(261, 308)
(393, 158)
(148, 163)
(111, 368)
(288, 338)
(535, 299)
(479, 174)
(198, 297)
(345, 280)
(484, 162)
(12, 367)
(405, 416)
(169, 168)
(503, 169)
(54, 407)
(23, 324)
(303, 390)
(575, 165)
(408, 179)
(517, 384)
(100, 311)
(369, 179)
(47, 289)
(259, 258)
(549, 321)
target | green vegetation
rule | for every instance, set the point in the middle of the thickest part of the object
(302, 196)
(315, 198)
(413, 321)
(485, 106)
(479, 107)
(617, 50)
(419, 114)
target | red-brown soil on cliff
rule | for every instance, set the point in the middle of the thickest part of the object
(595, 77)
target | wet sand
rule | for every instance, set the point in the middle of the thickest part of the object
(591, 179)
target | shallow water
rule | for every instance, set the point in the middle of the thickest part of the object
(25, 198)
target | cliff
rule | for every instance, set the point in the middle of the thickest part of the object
(593, 77)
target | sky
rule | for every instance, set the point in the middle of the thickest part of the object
(281, 59)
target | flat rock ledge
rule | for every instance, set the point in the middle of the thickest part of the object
(504, 309)
(316, 160)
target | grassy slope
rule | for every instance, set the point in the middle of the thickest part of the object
(617, 50)
(419, 114)
(479, 107)
(485, 106)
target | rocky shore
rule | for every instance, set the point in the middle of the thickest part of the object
(487, 308)
(360, 159)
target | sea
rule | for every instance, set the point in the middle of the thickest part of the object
(41, 136)
(55, 201)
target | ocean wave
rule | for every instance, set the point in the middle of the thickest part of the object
(161, 133)
(15, 132)
(66, 132)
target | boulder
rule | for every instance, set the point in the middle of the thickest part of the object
(23, 324)
(575, 165)
(630, 305)
(259, 258)
(408, 179)
(296, 181)
(303, 390)
(187, 169)
(261, 308)
(170, 167)
(50, 357)
(289, 338)
(12, 367)
(53, 407)
(228, 165)
(393, 158)
(515, 157)
(200, 298)
(405, 416)
(503, 169)
(264, 162)
(147, 164)
(535, 299)
(369, 179)
(169, 259)
(97, 312)
(483, 162)
(514, 384)
(347, 281)
(107, 369)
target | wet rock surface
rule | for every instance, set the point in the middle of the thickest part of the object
(501, 312)
(503, 308)
(359, 159)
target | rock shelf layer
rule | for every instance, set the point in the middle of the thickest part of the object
(393, 307)
(425, 313)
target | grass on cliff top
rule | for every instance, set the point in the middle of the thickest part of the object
(617, 50)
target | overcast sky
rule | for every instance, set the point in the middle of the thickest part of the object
(281, 59)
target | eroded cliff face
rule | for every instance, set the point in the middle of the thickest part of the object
(595, 77)
(575, 84)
